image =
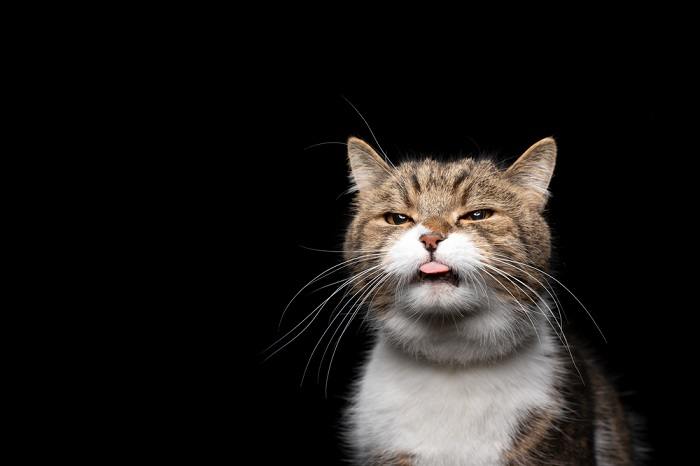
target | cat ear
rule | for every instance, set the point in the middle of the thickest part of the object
(533, 170)
(367, 168)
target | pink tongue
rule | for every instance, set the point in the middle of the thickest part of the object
(434, 267)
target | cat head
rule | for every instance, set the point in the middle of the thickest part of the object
(448, 253)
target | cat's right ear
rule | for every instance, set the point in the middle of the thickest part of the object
(533, 170)
(367, 168)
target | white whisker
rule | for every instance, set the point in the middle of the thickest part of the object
(334, 315)
(315, 314)
(527, 313)
(561, 335)
(323, 274)
(379, 146)
(565, 288)
(357, 309)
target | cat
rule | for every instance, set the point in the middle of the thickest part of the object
(470, 365)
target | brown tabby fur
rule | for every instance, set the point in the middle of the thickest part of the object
(436, 194)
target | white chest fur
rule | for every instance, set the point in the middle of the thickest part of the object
(449, 416)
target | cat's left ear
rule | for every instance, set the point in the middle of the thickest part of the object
(533, 170)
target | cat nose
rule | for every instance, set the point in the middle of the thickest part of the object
(431, 240)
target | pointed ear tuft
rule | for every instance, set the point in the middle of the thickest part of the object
(533, 170)
(367, 168)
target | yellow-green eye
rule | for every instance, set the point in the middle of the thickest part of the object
(480, 214)
(393, 218)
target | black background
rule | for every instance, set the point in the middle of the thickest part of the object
(182, 141)
(619, 228)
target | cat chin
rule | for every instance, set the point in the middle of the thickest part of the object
(440, 298)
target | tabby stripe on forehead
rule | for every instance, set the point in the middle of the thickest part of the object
(385, 196)
(466, 192)
(404, 194)
(460, 178)
(432, 180)
(416, 185)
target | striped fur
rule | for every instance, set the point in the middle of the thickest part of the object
(472, 373)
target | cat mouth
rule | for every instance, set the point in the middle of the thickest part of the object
(435, 272)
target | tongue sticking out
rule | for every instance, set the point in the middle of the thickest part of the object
(434, 267)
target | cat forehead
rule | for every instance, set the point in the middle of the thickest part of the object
(432, 186)
(433, 173)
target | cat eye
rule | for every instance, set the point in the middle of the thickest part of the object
(393, 218)
(480, 214)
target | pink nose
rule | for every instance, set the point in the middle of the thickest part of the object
(431, 240)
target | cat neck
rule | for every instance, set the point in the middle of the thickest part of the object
(544, 345)
(485, 336)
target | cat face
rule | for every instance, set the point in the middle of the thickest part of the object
(447, 250)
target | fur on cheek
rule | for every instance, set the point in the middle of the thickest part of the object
(461, 253)
(406, 254)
